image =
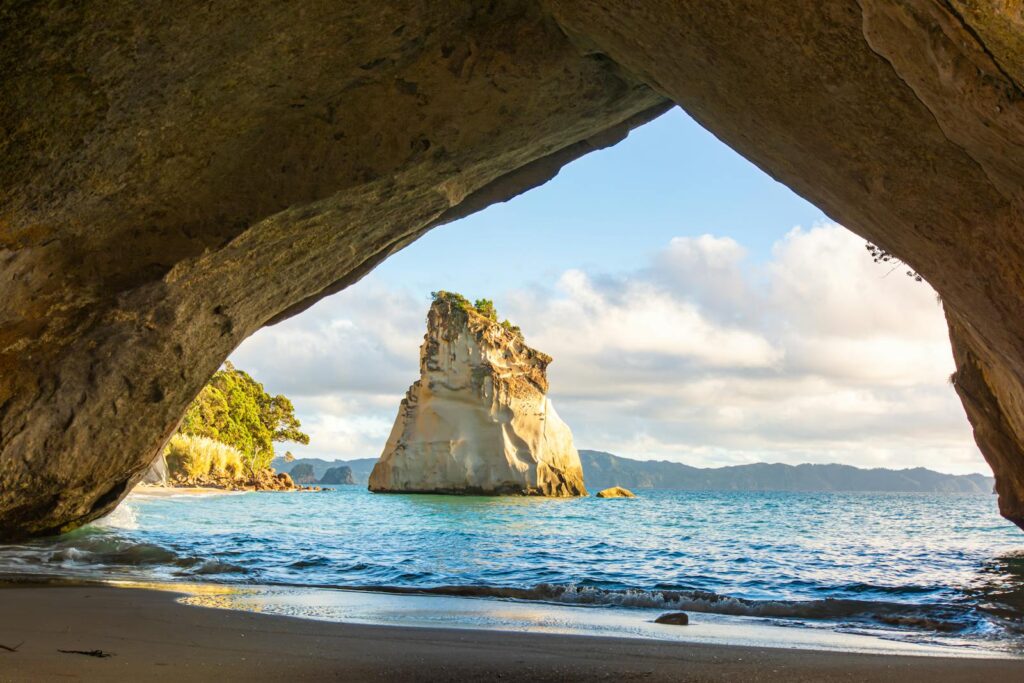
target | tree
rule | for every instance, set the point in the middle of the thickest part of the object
(485, 307)
(233, 408)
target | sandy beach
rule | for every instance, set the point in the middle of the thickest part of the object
(150, 636)
(154, 491)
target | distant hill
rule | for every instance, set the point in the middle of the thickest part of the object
(603, 470)
(360, 467)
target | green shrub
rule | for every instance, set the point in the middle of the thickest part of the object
(485, 307)
(189, 456)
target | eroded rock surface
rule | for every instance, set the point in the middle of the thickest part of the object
(478, 419)
(176, 176)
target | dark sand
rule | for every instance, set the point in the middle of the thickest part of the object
(151, 637)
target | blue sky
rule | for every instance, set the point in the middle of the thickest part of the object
(697, 311)
(613, 208)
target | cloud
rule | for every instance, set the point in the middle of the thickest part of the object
(702, 356)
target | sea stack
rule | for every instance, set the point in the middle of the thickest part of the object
(478, 420)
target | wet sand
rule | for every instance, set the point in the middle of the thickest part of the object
(150, 636)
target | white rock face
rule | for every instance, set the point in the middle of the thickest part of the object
(478, 420)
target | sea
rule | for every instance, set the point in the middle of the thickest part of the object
(902, 572)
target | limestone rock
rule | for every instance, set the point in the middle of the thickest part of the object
(615, 492)
(338, 475)
(478, 419)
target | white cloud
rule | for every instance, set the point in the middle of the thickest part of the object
(818, 355)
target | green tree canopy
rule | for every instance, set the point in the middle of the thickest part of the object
(233, 408)
(485, 307)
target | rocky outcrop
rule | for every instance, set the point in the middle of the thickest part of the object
(303, 473)
(265, 480)
(615, 492)
(478, 419)
(341, 475)
(176, 176)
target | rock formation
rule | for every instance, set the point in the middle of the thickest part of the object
(337, 475)
(615, 492)
(303, 473)
(478, 419)
(674, 619)
(176, 176)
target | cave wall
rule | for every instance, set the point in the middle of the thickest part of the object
(174, 178)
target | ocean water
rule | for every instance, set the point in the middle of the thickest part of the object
(940, 569)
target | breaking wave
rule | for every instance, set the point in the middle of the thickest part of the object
(938, 618)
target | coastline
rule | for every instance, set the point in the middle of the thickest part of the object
(151, 635)
(157, 491)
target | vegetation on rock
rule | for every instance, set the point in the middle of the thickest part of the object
(201, 461)
(483, 307)
(234, 409)
(880, 255)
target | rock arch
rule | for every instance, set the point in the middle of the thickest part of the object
(175, 178)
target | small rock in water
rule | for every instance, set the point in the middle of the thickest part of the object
(615, 492)
(674, 618)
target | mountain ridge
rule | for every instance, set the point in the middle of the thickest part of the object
(603, 470)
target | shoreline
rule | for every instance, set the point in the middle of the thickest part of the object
(151, 635)
(158, 491)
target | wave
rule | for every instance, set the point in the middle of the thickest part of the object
(84, 553)
(105, 551)
(937, 618)
(121, 517)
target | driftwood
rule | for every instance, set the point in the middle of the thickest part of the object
(88, 653)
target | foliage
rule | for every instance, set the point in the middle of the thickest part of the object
(880, 255)
(192, 456)
(514, 329)
(453, 298)
(484, 307)
(234, 409)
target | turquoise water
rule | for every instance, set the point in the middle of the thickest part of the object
(921, 568)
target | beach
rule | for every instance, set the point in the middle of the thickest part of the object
(151, 636)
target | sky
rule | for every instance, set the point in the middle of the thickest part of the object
(697, 311)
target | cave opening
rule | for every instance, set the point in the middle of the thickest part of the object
(720, 347)
(697, 311)
(174, 183)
